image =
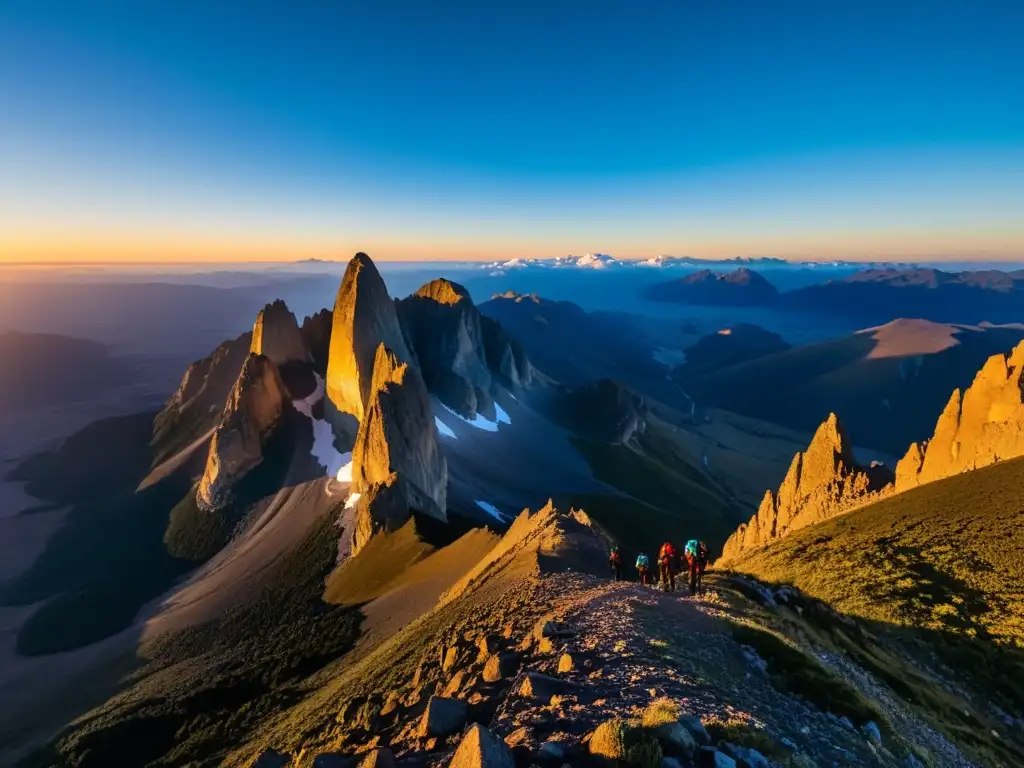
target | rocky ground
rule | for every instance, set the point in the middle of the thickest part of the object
(606, 671)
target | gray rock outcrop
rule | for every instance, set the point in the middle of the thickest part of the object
(445, 330)
(506, 357)
(316, 333)
(253, 408)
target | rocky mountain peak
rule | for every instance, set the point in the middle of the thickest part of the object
(397, 464)
(364, 317)
(822, 482)
(982, 427)
(445, 330)
(443, 291)
(276, 335)
(253, 408)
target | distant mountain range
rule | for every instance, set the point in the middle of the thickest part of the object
(869, 296)
(604, 261)
(331, 545)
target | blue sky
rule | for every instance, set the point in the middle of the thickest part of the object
(461, 129)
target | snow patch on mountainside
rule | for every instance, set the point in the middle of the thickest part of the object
(483, 423)
(490, 509)
(337, 464)
(444, 430)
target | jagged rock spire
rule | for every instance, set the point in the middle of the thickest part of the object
(276, 335)
(445, 329)
(364, 317)
(252, 410)
(397, 464)
(982, 427)
(822, 482)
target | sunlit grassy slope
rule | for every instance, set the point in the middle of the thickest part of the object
(946, 556)
(938, 571)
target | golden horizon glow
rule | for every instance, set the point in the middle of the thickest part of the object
(179, 248)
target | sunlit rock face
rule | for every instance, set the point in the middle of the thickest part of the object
(253, 408)
(822, 482)
(276, 335)
(364, 317)
(982, 427)
(201, 394)
(397, 463)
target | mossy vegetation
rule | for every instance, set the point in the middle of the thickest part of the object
(626, 743)
(193, 534)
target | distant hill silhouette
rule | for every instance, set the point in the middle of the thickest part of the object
(736, 344)
(740, 288)
(880, 295)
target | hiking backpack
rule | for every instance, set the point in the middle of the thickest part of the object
(692, 547)
(641, 562)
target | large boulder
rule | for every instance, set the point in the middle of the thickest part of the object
(480, 748)
(252, 411)
(442, 717)
(822, 482)
(984, 426)
(397, 464)
(276, 335)
(364, 318)
(445, 330)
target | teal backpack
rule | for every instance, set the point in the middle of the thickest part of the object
(692, 547)
(642, 562)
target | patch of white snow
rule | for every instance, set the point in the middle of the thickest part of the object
(351, 500)
(323, 449)
(444, 429)
(490, 509)
(479, 421)
(503, 418)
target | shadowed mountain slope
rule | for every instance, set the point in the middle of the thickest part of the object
(887, 382)
(879, 295)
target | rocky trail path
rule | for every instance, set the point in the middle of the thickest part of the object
(544, 668)
(627, 646)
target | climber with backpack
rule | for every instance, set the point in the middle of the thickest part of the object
(667, 567)
(642, 566)
(702, 563)
(692, 554)
(615, 561)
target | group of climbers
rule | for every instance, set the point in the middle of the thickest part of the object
(695, 555)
